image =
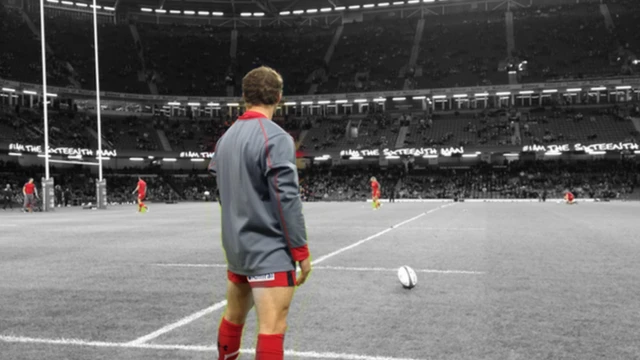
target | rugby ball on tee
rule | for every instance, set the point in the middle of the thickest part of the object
(407, 277)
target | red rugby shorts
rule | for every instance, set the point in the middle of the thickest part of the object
(278, 279)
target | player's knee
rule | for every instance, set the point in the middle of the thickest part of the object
(236, 316)
(278, 326)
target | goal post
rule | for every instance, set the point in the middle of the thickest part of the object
(48, 191)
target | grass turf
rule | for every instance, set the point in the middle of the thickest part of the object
(559, 281)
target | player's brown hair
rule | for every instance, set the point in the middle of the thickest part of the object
(262, 86)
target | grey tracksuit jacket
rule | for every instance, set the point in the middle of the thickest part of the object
(263, 229)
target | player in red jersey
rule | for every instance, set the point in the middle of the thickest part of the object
(569, 198)
(30, 192)
(375, 193)
(142, 192)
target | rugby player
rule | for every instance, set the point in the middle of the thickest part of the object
(263, 229)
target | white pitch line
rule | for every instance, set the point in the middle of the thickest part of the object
(193, 265)
(450, 229)
(198, 348)
(323, 258)
(175, 325)
(436, 271)
(221, 304)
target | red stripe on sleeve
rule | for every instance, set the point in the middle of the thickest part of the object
(300, 253)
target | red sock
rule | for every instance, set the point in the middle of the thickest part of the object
(270, 347)
(229, 337)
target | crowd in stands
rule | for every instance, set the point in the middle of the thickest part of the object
(487, 127)
(77, 185)
(72, 128)
(610, 124)
(25, 126)
(550, 42)
(596, 179)
(20, 58)
(625, 15)
(370, 55)
(296, 52)
(186, 60)
(463, 50)
(565, 42)
(551, 179)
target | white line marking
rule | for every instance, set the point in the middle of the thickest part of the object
(184, 321)
(394, 270)
(193, 265)
(337, 268)
(221, 304)
(449, 229)
(8, 225)
(323, 258)
(199, 348)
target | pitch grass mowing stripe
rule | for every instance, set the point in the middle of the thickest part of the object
(223, 303)
(367, 269)
(102, 344)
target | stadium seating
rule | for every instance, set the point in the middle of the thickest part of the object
(463, 50)
(594, 179)
(374, 130)
(188, 60)
(625, 15)
(564, 42)
(20, 58)
(369, 56)
(596, 125)
(294, 52)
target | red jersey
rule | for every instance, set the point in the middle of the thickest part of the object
(29, 188)
(375, 186)
(142, 187)
(569, 196)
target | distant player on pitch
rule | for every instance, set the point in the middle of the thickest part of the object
(375, 193)
(263, 229)
(30, 193)
(7, 196)
(569, 198)
(142, 193)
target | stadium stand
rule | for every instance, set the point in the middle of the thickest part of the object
(186, 60)
(602, 125)
(462, 50)
(369, 56)
(466, 49)
(594, 179)
(564, 42)
(296, 52)
(20, 57)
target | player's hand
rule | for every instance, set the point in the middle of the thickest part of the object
(305, 270)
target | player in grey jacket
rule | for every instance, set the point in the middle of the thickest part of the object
(263, 229)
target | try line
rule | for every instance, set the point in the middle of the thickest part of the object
(197, 348)
(343, 268)
(223, 303)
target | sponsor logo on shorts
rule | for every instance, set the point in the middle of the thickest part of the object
(261, 278)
